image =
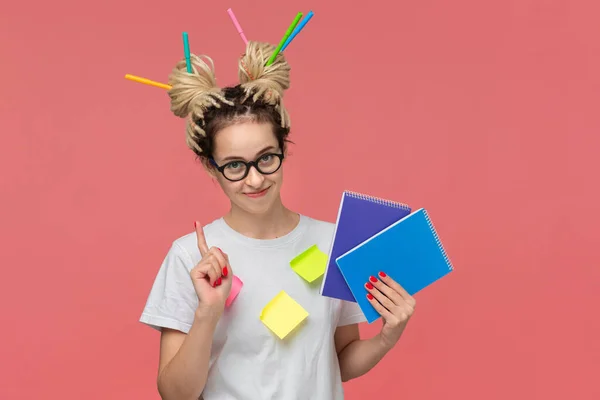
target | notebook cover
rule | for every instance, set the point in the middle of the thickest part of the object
(409, 251)
(359, 217)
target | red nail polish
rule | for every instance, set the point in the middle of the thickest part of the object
(373, 279)
(382, 274)
(369, 286)
(369, 296)
(195, 224)
(215, 284)
(225, 272)
(218, 282)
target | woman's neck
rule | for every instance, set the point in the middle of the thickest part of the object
(275, 223)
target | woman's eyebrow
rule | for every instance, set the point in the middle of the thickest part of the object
(231, 158)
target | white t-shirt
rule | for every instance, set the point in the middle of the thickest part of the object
(247, 360)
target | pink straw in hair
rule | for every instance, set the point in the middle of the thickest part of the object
(237, 25)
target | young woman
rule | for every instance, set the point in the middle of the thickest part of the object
(209, 351)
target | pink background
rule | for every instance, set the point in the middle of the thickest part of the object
(483, 112)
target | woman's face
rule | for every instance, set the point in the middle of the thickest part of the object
(245, 142)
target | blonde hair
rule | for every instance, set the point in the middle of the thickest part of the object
(196, 94)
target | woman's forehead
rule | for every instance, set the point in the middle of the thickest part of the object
(244, 139)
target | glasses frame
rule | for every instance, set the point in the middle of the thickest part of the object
(248, 164)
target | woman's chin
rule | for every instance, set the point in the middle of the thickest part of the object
(258, 204)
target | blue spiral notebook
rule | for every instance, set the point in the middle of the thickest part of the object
(409, 251)
(360, 216)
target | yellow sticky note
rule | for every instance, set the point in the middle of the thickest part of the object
(310, 264)
(282, 314)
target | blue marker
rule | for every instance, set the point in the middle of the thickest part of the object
(297, 30)
(186, 52)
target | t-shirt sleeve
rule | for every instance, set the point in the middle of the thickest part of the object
(350, 313)
(172, 301)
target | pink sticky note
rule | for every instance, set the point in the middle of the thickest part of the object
(236, 286)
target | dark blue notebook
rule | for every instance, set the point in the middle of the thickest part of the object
(359, 217)
(408, 251)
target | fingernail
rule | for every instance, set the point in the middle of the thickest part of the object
(218, 282)
(225, 272)
(215, 284)
(194, 224)
(369, 296)
(369, 286)
(373, 279)
(382, 274)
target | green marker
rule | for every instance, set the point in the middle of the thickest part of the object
(186, 52)
(285, 37)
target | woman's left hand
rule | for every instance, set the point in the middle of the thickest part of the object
(393, 303)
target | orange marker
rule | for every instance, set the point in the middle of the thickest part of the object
(147, 81)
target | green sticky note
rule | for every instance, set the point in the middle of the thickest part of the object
(310, 264)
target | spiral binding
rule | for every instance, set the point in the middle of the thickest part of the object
(378, 200)
(438, 241)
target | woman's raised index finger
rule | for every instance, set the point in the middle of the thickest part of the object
(201, 239)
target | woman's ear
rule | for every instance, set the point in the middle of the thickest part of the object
(209, 167)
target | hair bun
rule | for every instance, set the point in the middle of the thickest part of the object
(266, 83)
(191, 93)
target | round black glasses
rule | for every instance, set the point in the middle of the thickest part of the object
(237, 170)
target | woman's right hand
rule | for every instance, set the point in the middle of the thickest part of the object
(211, 277)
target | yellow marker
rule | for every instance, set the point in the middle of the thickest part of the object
(147, 81)
(310, 264)
(282, 314)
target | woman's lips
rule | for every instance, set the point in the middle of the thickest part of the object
(257, 194)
